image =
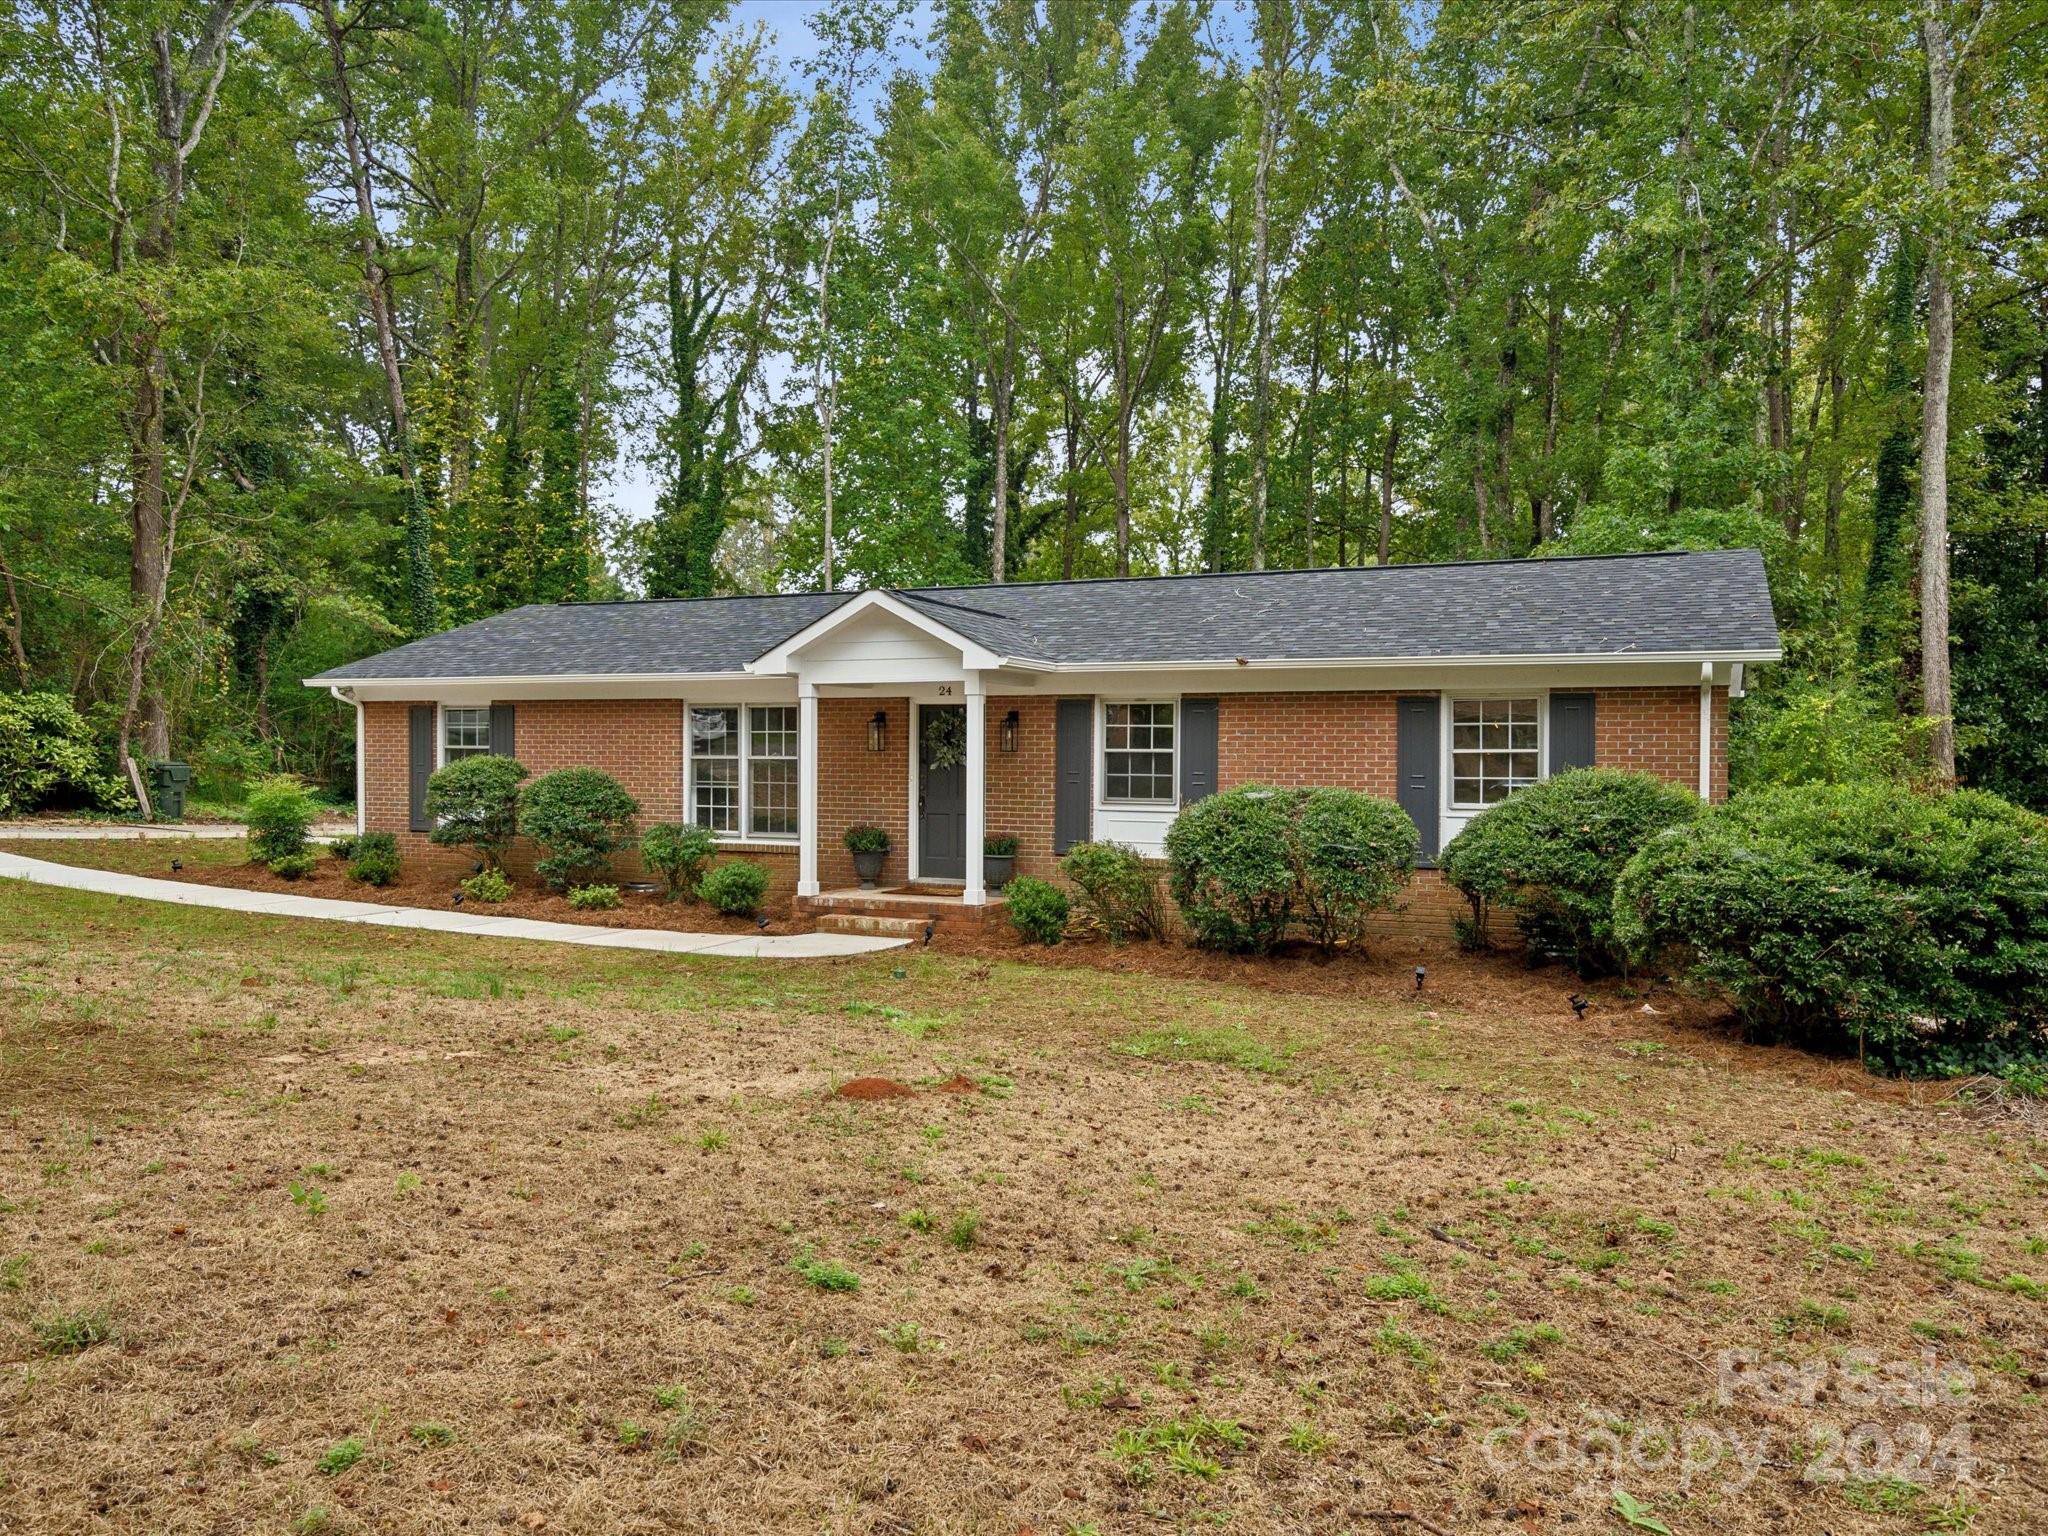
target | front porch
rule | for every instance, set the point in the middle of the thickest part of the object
(876, 684)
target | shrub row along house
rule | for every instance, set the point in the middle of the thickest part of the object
(1065, 712)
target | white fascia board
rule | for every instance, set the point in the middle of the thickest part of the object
(609, 685)
(782, 659)
(1566, 659)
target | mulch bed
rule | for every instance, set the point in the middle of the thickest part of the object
(436, 892)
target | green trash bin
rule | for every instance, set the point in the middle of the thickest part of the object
(167, 785)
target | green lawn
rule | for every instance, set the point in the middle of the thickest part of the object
(318, 1227)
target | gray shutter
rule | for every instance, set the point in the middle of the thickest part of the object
(1571, 731)
(1418, 767)
(501, 731)
(420, 762)
(1197, 750)
(1074, 773)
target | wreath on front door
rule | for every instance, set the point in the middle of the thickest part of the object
(945, 738)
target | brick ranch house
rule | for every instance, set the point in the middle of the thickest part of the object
(1089, 709)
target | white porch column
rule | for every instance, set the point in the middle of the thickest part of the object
(977, 787)
(806, 788)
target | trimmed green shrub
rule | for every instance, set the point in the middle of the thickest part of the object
(593, 898)
(1118, 889)
(1353, 854)
(1912, 927)
(866, 839)
(474, 803)
(1553, 851)
(373, 858)
(344, 847)
(581, 817)
(46, 753)
(1251, 863)
(735, 887)
(278, 812)
(294, 866)
(1232, 877)
(491, 885)
(1038, 909)
(678, 855)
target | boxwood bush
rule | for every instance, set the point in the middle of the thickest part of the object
(474, 803)
(1553, 851)
(1911, 927)
(580, 817)
(1118, 889)
(1253, 863)
(1038, 909)
(373, 858)
(278, 812)
(678, 855)
(735, 888)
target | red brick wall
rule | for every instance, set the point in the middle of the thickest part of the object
(1021, 783)
(1657, 730)
(1344, 739)
(639, 742)
(858, 786)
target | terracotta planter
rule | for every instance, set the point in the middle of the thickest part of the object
(869, 867)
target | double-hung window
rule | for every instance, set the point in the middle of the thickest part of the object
(465, 733)
(743, 769)
(1495, 749)
(1138, 753)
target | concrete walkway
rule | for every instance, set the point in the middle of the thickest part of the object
(753, 946)
(140, 831)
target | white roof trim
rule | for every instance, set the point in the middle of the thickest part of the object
(1482, 659)
(781, 659)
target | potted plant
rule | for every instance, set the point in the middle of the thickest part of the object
(869, 846)
(998, 861)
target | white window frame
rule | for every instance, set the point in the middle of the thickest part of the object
(746, 777)
(1448, 798)
(1102, 751)
(441, 732)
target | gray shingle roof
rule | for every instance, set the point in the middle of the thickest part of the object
(1712, 602)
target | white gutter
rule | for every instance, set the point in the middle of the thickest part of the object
(1019, 664)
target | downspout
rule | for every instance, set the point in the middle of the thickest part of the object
(346, 697)
(1707, 731)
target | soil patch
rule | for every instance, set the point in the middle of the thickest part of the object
(867, 1088)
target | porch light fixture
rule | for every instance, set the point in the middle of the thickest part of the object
(878, 730)
(1009, 737)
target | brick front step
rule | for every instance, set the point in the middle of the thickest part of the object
(910, 906)
(873, 924)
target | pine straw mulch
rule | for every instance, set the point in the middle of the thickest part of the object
(409, 1233)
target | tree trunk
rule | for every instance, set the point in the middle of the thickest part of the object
(1070, 520)
(1936, 696)
(15, 651)
(1262, 286)
(1386, 546)
(1001, 381)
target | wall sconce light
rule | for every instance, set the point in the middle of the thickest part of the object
(878, 730)
(1009, 737)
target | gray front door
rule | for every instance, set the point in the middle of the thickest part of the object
(941, 807)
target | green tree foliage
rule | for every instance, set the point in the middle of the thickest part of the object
(47, 756)
(423, 311)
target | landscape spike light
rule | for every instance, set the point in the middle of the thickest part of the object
(458, 898)
(1420, 973)
(176, 865)
(1579, 1004)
